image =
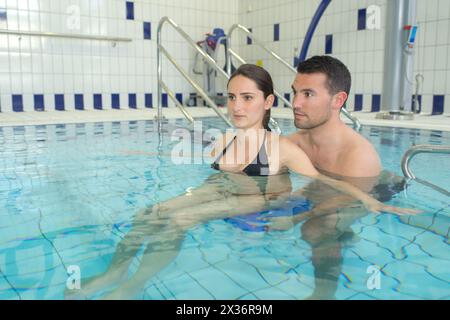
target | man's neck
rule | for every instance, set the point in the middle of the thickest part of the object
(327, 136)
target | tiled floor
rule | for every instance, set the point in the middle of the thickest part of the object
(441, 122)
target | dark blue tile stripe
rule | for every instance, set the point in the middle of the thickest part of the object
(179, 97)
(358, 102)
(164, 100)
(147, 30)
(17, 102)
(362, 19)
(287, 96)
(438, 104)
(79, 102)
(275, 102)
(3, 16)
(59, 102)
(376, 103)
(132, 100)
(98, 105)
(115, 101)
(148, 100)
(276, 32)
(130, 10)
(329, 44)
(39, 102)
(249, 40)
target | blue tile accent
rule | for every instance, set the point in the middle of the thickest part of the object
(115, 101)
(329, 44)
(164, 100)
(59, 102)
(287, 96)
(419, 97)
(149, 100)
(17, 102)
(132, 100)
(275, 102)
(276, 32)
(358, 102)
(376, 103)
(39, 102)
(79, 102)
(179, 97)
(3, 16)
(362, 13)
(249, 40)
(130, 10)
(438, 104)
(98, 101)
(147, 30)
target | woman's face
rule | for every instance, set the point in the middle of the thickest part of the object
(246, 103)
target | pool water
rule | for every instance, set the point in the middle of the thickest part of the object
(69, 195)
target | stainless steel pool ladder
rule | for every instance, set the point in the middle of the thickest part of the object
(423, 148)
(184, 73)
(231, 52)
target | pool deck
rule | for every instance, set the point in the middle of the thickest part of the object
(439, 122)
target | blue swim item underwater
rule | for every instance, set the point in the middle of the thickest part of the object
(255, 222)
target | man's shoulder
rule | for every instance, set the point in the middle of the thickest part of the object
(360, 157)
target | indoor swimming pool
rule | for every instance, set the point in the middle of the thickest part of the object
(70, 194)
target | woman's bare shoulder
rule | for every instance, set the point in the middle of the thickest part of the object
(219, 143)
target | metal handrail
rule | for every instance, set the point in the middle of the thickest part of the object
(422, 148)
(65, 35)
(352, 118)
(177, 103)
(207, 58)
(256, 41)
(231, 52)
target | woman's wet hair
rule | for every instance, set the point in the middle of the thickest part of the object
(263, 81)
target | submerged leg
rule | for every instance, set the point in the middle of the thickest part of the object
(160, 252)
(144, 225)
(164, 246)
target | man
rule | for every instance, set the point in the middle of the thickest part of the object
(321, 88)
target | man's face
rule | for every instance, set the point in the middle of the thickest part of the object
(312, 102)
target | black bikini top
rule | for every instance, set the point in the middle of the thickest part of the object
(258, 167)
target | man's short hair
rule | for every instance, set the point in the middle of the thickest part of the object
(338, 76)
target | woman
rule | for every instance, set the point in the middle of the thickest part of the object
(253, 163)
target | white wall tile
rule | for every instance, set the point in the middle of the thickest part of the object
(440, 78)
(427, 104)
(432, 9)
(131, 67)
(6, 102)
(28, 102)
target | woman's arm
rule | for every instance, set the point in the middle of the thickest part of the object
(296, 160)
